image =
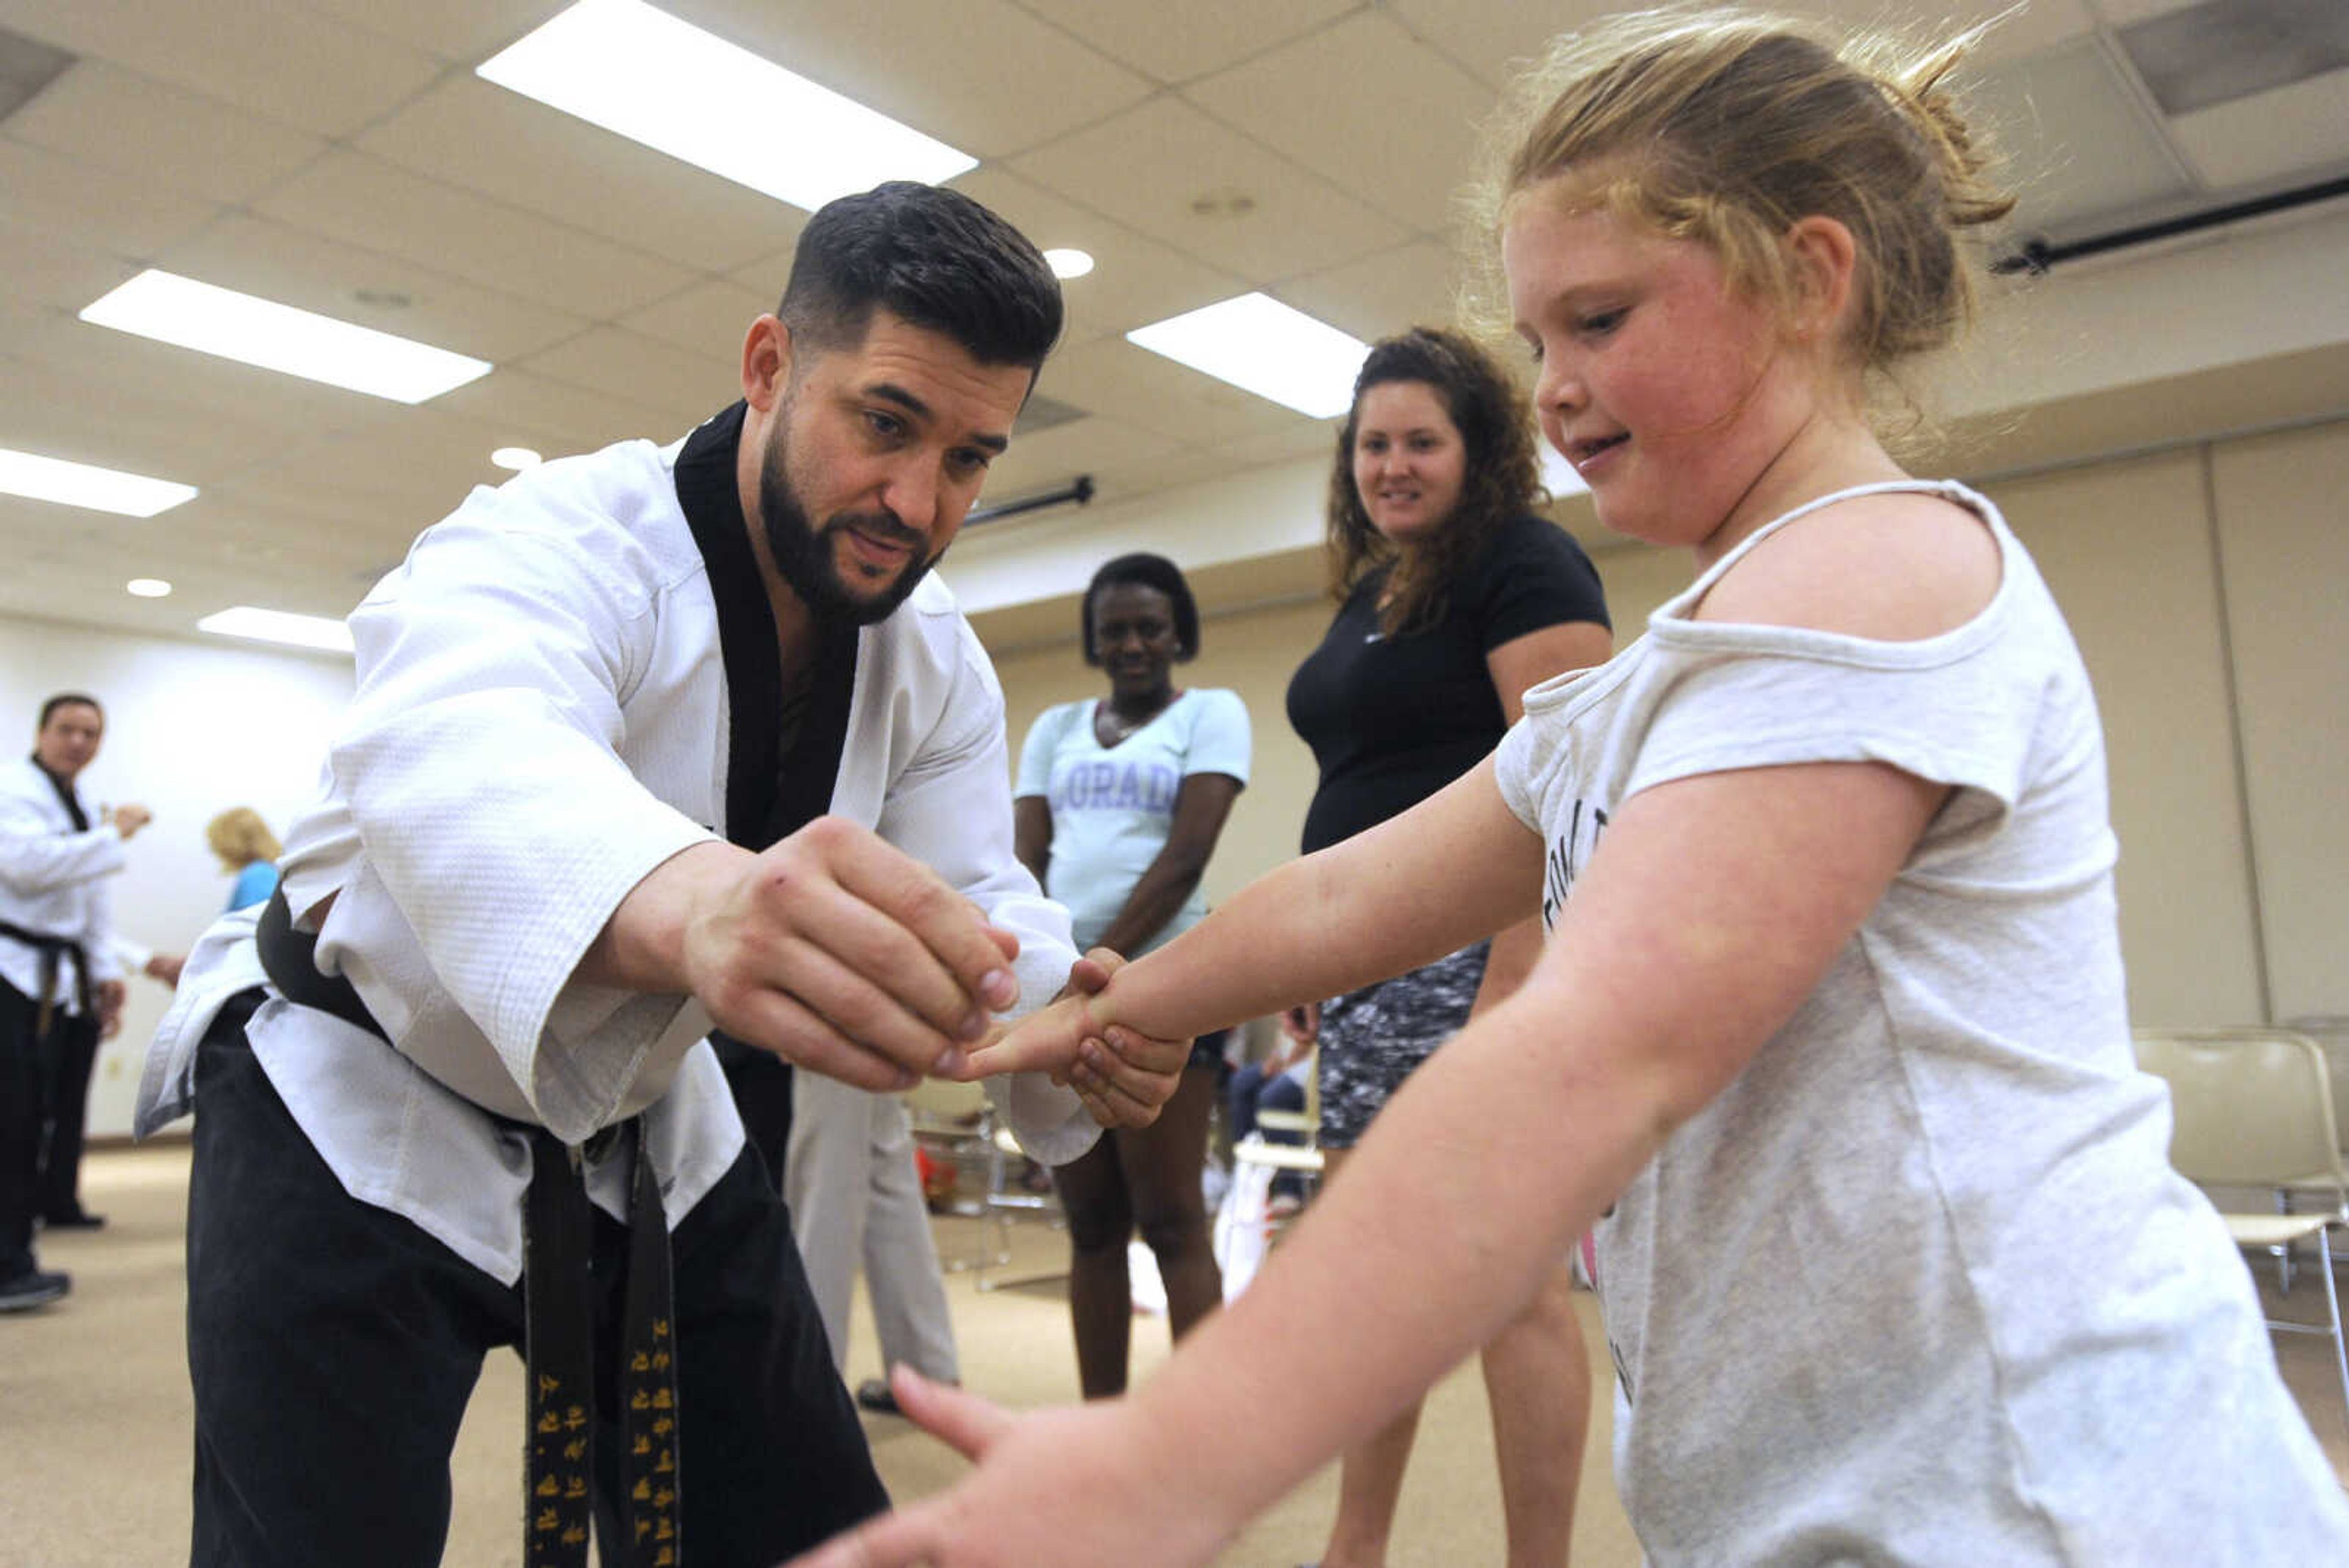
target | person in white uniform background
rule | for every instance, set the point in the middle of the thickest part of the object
(643, 741)
(1829, 1037)
(61, 987)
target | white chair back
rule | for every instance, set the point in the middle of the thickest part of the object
(2253, 1107)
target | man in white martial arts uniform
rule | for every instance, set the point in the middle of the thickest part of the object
(642, 740)
(60, 982)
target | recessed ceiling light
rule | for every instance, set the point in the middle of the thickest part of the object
(516, 457)
(80, 484)
(147, 587)
(1262, 346)
(641, 72)
(243, 327)
(1066, 263)
(259, 625)
(1557, 475)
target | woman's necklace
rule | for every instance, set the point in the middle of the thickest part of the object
(1110, 726)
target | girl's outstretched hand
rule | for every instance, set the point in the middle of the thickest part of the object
(1074, 1486)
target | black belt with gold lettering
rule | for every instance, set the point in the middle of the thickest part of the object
(558, 1304)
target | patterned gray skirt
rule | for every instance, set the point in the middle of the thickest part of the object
(1372, 1038)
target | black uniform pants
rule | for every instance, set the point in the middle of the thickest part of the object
(333, 1346)
(22, 1107)
(69, 1056)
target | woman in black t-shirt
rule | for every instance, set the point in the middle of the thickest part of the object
(1454, 599)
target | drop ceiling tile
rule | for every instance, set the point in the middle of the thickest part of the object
(123, 215)
(560, 419)
(1172, 44)
(2121, 12)
(364, 201)
(1498, 38)
(42, 270)
(1149, 166)
(689, 387)
(205, 389)
(710, 320)
(984, 76)
(2269, 137)
(500, 144)
(84, 414)
(1135, 280)
(1131, 384)
(162, 135)
(276, 58)
(1410, 286)
(368, 288)
(1401, 136)
(2077, 144)
(465, 32)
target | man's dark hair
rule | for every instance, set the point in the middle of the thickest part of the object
(1151, 572)
(933, 258)
(67, 699)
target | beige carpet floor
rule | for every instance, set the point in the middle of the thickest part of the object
(93, 1408)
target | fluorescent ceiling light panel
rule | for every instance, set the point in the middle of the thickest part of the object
(1262, 346)
(259, 625)
(79, 484)
(243, 327)
(630, 68)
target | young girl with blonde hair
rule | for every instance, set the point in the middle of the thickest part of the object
(1828, 1039)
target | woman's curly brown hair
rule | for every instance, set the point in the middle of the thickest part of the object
(1501, 480)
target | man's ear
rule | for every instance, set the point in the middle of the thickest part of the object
(766, 363)
(1825, 262)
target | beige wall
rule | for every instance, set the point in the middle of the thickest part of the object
(2230, 843)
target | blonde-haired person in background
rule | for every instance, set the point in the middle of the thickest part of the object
(1830, 1037)
(248, 851)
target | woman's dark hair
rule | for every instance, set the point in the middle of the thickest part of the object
(67, 699)
(933, 258)
(1501, 478)
(1151, 572)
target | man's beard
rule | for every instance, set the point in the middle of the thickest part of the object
(805, 555)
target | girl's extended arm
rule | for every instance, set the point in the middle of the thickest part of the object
(1711, 910)
(1457, 866)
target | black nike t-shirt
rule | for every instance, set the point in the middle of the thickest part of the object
(1392, 720)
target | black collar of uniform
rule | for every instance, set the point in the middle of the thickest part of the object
(67, 796)
(769, 796)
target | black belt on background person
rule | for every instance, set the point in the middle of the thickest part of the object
(558, 1302)
(53, 950)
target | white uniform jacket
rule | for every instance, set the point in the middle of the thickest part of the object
(52, 881)
(568, 682)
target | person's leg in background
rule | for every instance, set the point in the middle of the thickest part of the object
(827, 1178)
(22, 1283)
(1537, 1382)
(1161, 1164)
(1100, 1294)
(72, 1055)
(901, 1274)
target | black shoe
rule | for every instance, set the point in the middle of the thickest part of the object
(74, 1220)
(874, 1395)
(31, 1289)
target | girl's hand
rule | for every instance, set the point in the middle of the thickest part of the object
(1302, 1022)
(1073, 1486)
